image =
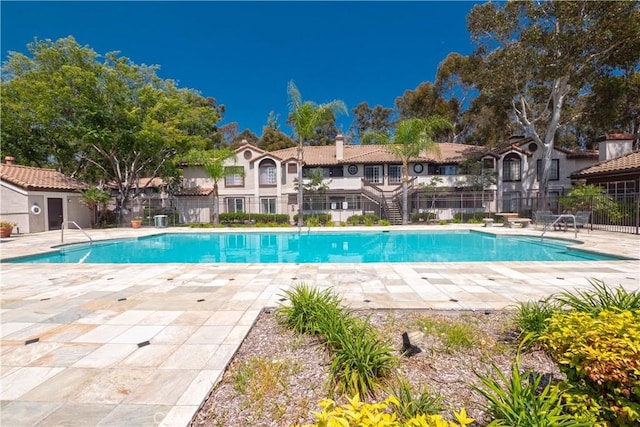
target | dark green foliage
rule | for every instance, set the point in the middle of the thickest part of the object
(249, 218)
(476, 217)
(600, 298)
(423, 217)
(367, 219)
(315, 220)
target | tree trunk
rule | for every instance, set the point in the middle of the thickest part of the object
(300, 187)
(216, 204)
(405, 195)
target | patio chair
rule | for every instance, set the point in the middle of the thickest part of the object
(543, 218)
(582, 219)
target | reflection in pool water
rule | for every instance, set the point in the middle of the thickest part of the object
(320, 247)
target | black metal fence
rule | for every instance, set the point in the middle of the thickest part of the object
(608, 212)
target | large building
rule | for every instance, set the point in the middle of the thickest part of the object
(367, 178)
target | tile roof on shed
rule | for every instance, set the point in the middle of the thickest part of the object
(195, 191)
(628, 163)
(30, 178)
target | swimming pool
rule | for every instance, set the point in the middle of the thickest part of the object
(316, 247)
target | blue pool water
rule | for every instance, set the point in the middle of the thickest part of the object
(327, 247)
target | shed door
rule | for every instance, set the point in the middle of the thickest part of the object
(54, 209)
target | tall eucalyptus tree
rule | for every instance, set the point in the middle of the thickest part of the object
(543, 56)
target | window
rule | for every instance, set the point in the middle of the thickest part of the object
(234, 176)
(292, 168)
(511, 168)
(268, 173)
(449, 170)
(268, 205)
(395, 174)
(373, 174)
(488, 163)
(329, 172)
(235, 204)
(418, 168)
(442, 169)
(554, 174)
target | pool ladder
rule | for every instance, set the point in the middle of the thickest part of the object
(77, 226)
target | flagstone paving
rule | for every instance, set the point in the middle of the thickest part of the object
(114, 345)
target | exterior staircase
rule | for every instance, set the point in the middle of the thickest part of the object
(392, 211)
(389, 201)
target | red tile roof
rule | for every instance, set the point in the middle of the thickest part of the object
(31, 178)
(195, 191)
(369, 154)
(629, 163)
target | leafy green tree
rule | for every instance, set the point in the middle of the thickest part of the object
(411, 138)
(214, 163)
(590, 198)
(541, 56)
(377, 119)
(477, 177)
(247, 135)
(272, 140)
(305, 117)
(96, 199)
(110, 121)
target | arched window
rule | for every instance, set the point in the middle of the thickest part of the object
(268, 173)
(511, 167)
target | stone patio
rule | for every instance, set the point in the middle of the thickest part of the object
(114, 345)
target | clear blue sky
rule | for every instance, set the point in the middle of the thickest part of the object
(244, 53)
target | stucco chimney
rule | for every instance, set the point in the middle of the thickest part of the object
(9, 160)
(614, 145)
(339, 147)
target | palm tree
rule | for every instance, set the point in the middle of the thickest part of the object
(95, 198)
(410, 139)
(213, 162)
(305, 117)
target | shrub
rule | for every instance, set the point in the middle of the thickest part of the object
(600, 354)
(516, 400)
(249, 218)
(308, 305)
(315, 220)
(531, 317)
(601, 297)
(409, 404)
(368, 219)
(357, 413)
(422, 217)
(360, 359)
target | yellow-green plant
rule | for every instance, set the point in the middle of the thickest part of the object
(356, 413)
(600, 353)
(410, 403)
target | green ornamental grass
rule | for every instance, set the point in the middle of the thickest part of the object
(600, 298)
